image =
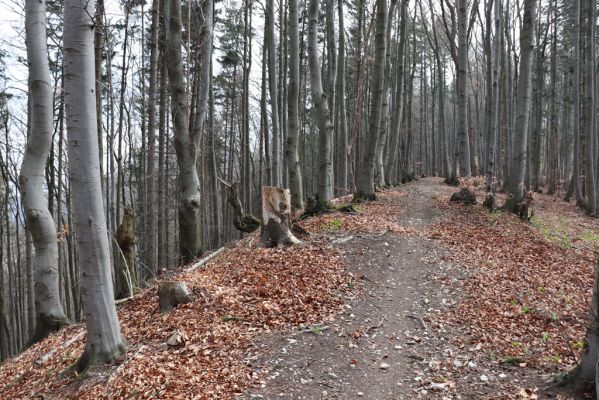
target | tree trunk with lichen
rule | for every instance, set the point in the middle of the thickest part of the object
(276, 218)
(185, 145)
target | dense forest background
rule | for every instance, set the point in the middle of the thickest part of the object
(328, 99)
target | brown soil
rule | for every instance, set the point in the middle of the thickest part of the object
(388, 342)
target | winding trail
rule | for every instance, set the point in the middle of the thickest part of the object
(378, 345)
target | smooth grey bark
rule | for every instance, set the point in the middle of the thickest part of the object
(273, 91)
(201, 113)
(384, 124)
(215, 230)
(49, 314)
(104, 341)
(393, 152)
(321, 109)
(365, 181)
(552, 170)
(523, 102)
(591, 110)
(150, 253)
(576, 114)
(291, 151)
(185, 145)
(462, 89)
(496, 72)
(342, 139)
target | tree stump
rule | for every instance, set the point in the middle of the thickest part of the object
(126, 282)
(464, 196)
(489, 202)
(171, 294)
(276, 218)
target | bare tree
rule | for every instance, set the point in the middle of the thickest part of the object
(104, 342)
(523, 101)
(185, 144)
(365, 181)
(49, 313)
(321, 107)
(291, 152)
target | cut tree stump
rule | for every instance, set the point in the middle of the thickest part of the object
(276, 218)
(171, 294)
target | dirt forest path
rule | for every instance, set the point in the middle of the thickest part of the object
(379, 345)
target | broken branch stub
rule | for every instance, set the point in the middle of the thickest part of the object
(276, 218)
(171, 294)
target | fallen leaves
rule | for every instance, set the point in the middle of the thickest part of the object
(202, 349)
(372, 217)
(526, 296)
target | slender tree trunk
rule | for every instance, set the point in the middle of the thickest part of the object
(293, 162)
(49, 313)
(104, 342)
(342, 139)
(365, 183)
(150, 253)
(393, 152)
(591, 110)
(496, 73)
(185, 145)
(462, 89)
(274, 92)
(384, 124)
(523, 101)
(321, 107)
(553, 154)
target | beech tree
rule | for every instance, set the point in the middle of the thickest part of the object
(523, 101)
(185, 144)
(104, 341)
(365, 182)
(48, 309)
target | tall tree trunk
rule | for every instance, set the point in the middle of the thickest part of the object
(591, 110)
(393, 152)
(523, 101)
(342, 140)
(49, 313)
(293, 162)
(462, 89)
(496, 72)
(104, 342)
(274, 92)
(185, 146)
(321, 107)
(553, 154)
(384, 124)
(150, 253)
(576, 84)
(365, 183)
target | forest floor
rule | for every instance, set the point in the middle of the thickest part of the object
(410, 297)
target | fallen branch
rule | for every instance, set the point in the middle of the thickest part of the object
(342, 240)
(43, 359)
(121, 301)
(205, 260)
